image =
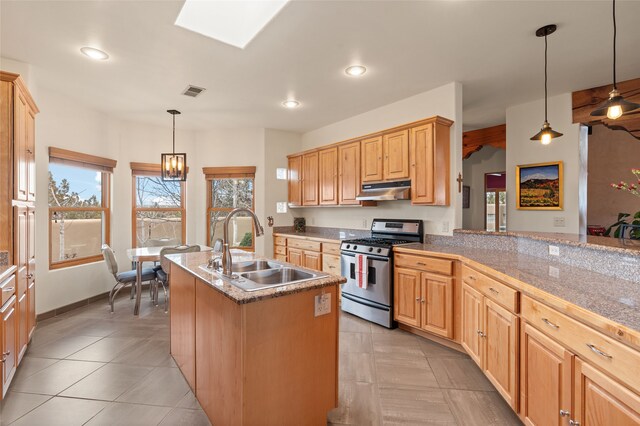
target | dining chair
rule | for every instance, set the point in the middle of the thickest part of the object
(123, 279)
(162, 273)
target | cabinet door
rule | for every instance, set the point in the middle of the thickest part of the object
(8, 356)
(422, 154)
(310, 179)
(545, 379)
(294, 256)
(20, 160)
(183, 321)
(600, 401)
(406, 296)
(328, 184)
(331, 264)
(312, 260)
(472, 322)
(500, 333)
(371, 151)
(396, 155)
(20, 248)
(349, 173)
(31, 309)
(437, 305)
(30, 129)
(31, 244)
(295, 181)
(23, 323)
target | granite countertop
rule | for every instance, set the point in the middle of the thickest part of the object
(191, 262)
(628, 247)
(6, 271)
(335, 234)
(611, 298)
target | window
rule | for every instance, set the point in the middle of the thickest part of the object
(229, 188)
(495, 202)
(79, 207)
(159, 213)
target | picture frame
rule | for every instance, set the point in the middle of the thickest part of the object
(540, 186)
(466, 193)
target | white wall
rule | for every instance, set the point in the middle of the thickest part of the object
(445, 101)
(523, 121)
(487, 160)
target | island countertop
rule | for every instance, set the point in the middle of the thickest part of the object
(611, 298)
(191, 263)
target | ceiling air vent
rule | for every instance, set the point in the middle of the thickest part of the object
(193, 91)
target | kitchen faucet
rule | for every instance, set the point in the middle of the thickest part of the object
(227, 262)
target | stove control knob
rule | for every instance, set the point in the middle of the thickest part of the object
(370, 248)
(348, 245)
(355, 247)
(379, 250)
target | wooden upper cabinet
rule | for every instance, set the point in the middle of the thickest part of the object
(30, 124)
(406, 297)
(437, 305)
(349, 173)
(20, 157)
(310, 179)
(545, 379)
(371, 150)
(295, 180)
(328, 179)
(430, 169)
(601, 401)
(395, 147)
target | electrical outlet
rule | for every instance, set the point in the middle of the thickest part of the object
(322, 304)
(554, 250)
(281, 207)
(445, 226)
(554, 272)
(558, 222)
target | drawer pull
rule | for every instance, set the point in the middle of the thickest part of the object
(550, 324)
(8, 289)
(493, 290)
(598, 351)
(421, 263)
(472, 278)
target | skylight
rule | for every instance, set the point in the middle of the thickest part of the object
(232, 22)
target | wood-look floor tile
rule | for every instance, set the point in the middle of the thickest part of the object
(16, 404)
(62, 347)
(404, 369)
(31, 365)
(355, 342)
(479, 408)
(396, 342)
(435, 350)
(356, 367)
(162, 386)
(63, 412)
(185, 417)
(354, 324)
(459, 373)
(358, 405)
(147, 352)
(405, 405)
(55, 378)
(122, 414)
(104, 350)
(108, 382)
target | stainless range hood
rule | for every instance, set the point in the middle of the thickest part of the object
(385, 191)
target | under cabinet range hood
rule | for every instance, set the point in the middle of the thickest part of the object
(385, 191)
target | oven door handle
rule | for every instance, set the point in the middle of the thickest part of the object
(364, 302)
(381, 259)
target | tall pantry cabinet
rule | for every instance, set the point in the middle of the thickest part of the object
(17, 220)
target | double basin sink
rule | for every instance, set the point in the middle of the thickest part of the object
(256, 275)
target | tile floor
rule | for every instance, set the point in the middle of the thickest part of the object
(91, 367)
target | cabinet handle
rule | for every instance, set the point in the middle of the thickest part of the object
(29, 151)
(422, 300)
(493, 290)
(574, 423)
(421, 264)
(550, 324)
(29, 276)
(5, 355)
(598, 351)
(417, 299)
(481, 334)
(472, 278)
(564, 413)
(8, 289)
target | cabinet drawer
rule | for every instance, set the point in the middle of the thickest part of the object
(498, 292)
(280, 250)
(280, 241)
(8, 288)
(331, 248)
(618, 360)
(303, 244)
(331, 264)
(430, 264)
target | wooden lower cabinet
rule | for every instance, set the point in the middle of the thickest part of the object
(23, 331)
(406, 296)
(294, 256)
(471, 317)
(183, 322)
(312, 260)
(331, 264)
(8, 356)
(545, 379)
(31, 309)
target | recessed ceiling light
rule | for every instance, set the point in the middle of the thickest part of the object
(94, 53)
(355, 70)
(291, 103)
(232, 22)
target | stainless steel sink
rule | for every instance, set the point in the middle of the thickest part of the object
(255, 265)
(277, 276)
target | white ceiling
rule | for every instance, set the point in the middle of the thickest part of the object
(408, 47)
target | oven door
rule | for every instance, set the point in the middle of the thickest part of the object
(378, 277)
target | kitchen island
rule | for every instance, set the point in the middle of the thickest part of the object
(261, 357)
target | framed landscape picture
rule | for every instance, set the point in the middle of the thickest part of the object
(539, 186)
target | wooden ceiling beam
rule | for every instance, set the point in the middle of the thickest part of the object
(474, 140)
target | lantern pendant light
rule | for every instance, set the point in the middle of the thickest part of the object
(615, 106)
(546, 134)
(174, 165)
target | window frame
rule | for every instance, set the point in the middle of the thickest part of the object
(99, 164)
(154, 170)
(236, 172)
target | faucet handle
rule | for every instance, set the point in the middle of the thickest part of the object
(215, 263)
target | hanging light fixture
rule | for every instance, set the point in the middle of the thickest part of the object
(174, 165)
(546, 134)
(616, 105)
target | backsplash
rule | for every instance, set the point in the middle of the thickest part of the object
(324, 232)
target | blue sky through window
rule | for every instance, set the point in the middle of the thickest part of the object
(85, 182)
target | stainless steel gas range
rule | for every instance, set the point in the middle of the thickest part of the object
(367, 263)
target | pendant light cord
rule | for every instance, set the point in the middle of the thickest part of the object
(174, 133)
(614, 44)
(545, 77)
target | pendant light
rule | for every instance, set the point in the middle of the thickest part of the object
(174, 165)
(615, 106)
(546, 134)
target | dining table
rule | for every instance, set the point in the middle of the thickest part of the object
(138, 256)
